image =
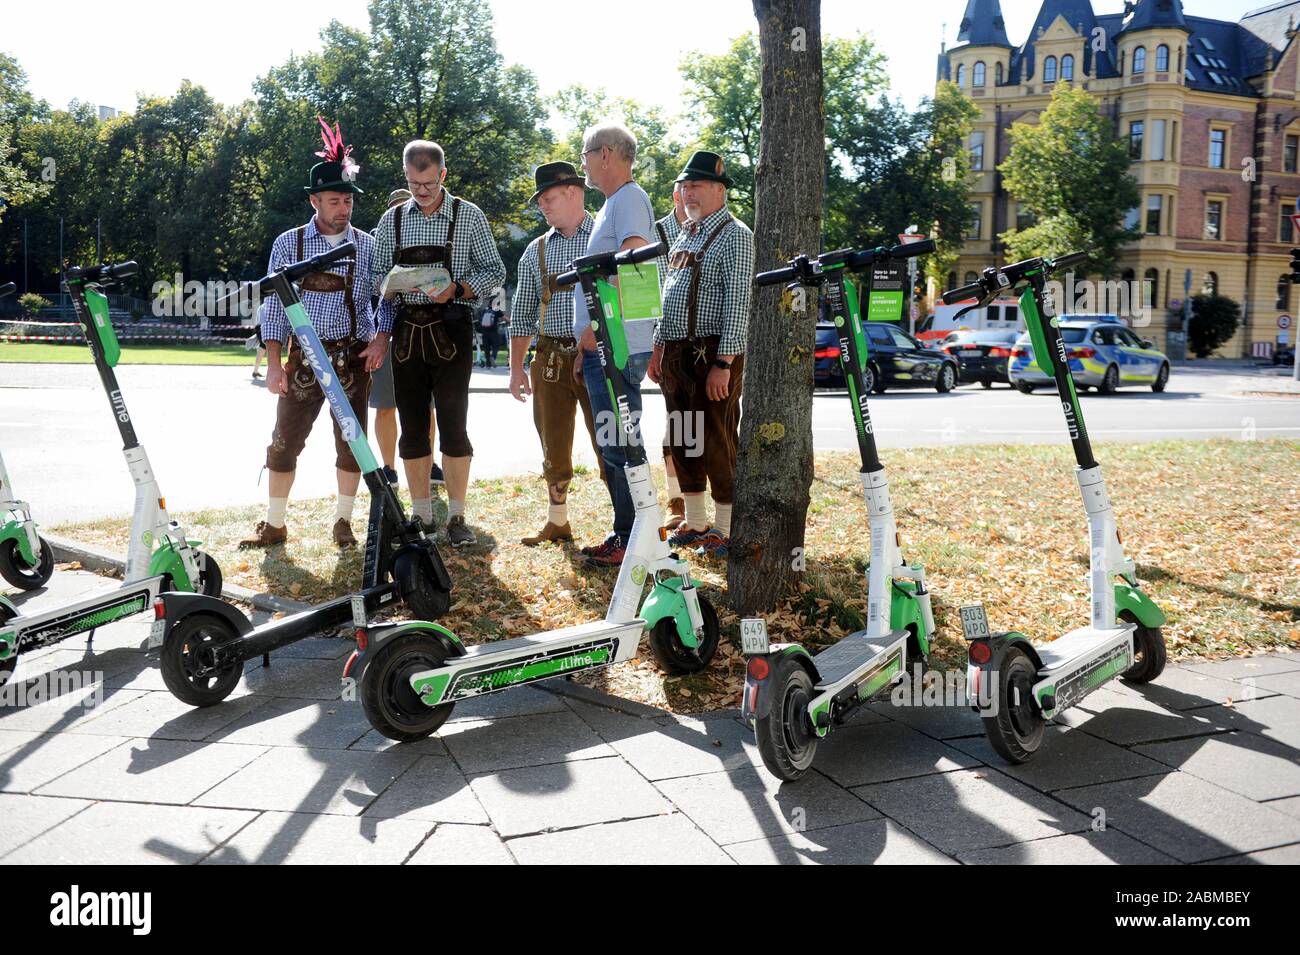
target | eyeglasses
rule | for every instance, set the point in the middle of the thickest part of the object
(422, 186)
(595, 149)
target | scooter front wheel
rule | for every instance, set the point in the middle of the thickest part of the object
(785, 737)
(676, 658)
(1016, 729)
(188, 660)
(420, 592)
(1149, 653)
(390, 703)
(21, 574)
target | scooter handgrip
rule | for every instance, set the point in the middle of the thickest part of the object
(567, 279)
(641, 254)
(966, 291)
(121, 270)
(910, 250)
(1065, 261)
(777, 276)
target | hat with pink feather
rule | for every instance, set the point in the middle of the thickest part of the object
(338, 171)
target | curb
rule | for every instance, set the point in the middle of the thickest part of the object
(92, 559)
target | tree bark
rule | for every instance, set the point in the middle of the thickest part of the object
(775, 463)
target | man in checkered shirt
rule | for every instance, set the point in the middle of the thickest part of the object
(557, 394)
(338, 304)
(668, 229)
(433, 336)
(699, 348)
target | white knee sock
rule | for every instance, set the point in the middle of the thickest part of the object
(343, 509)
(422, 507)
(697, 515)
(275, 511)
(558, 514)
(455, 508)
(722, 518)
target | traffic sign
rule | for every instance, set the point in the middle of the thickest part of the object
(907, 237)
(1284, 321)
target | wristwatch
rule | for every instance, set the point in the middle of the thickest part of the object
(721, 363)
(460, 291)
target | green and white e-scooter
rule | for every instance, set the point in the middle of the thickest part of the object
(159, 555)
(412, 674)
(1014, 685)
(26, 560)
(204, 643)
(792, 698)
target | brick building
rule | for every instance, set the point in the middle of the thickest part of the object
(1209, 109)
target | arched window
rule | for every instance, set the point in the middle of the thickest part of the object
(952, 281)
(970, 278)
(1150, 288)
(1067, 67)
(1140, 60)
(961, 75)
(977, 74)
(1284, 293)
(1049, 70)
(1210, 284)
(997, 73)
(1162, 59)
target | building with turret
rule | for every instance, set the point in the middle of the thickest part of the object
(1209, 110)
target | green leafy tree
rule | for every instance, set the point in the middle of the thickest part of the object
(1214, 321)
(1070, 171)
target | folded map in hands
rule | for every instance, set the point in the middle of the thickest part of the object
(422, 279)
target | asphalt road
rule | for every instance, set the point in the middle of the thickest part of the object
(206, 429)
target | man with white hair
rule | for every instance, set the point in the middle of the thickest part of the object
(625, 221)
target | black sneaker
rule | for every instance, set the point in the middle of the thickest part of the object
(458, 535)
(391, 474)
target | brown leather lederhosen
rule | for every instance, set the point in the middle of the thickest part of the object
(419, 327)
(686, 366)
(556, 393)
(297, 410)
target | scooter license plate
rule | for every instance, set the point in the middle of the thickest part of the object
(156, 633)
(753, 636)
(974, 622)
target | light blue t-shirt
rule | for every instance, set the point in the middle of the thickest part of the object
(626, 214)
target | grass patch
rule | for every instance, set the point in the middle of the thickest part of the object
(79, 354)
(1213, 525)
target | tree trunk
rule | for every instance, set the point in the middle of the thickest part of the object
(775, 465)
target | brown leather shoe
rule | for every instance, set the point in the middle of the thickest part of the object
(264, 535)
(343, 535)
(676, 512)
(551, 532)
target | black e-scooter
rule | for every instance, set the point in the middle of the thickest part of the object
(205, 642)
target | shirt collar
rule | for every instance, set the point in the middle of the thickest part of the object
(444, 210)
(584, 227)
(313, 230)
(710, 221)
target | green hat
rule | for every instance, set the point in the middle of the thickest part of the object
(556, 174)
(707, 166)
(339, 170)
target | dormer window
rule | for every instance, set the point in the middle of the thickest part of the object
(1049, 70)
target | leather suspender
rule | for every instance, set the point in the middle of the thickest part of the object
(696, 258)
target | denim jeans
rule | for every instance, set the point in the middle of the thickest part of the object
(614, 454)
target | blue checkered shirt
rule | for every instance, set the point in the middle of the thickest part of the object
(327, 310)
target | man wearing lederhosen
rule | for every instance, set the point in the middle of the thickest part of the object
(668, 229)
(338, 304)
(433, 336)
(540, 308)
(699, 347)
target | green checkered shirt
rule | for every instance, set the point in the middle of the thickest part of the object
(726, 277)
(527, 303)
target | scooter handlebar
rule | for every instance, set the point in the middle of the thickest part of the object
(777, 276)
(103, 273)
(318, 263)
(8, 289)
(966, 291)
(1065, 261)
(608, 262)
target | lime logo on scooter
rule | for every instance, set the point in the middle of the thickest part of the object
(469, 682)
(119, 406)
(638, 574)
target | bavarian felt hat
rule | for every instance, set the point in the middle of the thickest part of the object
(707, 166)
(556, 174)
(339, 170)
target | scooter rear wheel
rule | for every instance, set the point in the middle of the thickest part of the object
(785, 737)
(21, 574)
(1149, 652)
(1016, 730)
(188, 660)
(676, 658)
(390, 703)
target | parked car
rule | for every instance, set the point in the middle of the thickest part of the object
(894, 360)
(1105, 355)
(981, 356)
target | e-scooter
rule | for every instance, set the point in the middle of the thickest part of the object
(26, 560)
(792, 698)
(205, 642)
(1014, 685)
(159, 556)
(412, 674)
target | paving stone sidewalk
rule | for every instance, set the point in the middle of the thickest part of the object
(1201, 766)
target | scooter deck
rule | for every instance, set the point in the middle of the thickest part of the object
(1068, 647)
(856, 652)
(103, 606)
(488, 667)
